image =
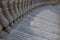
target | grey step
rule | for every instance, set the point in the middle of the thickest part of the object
(41, 24)
(38, 32)
(44, 25)
(19, 35)
(49, 15)
(38, 20)
(55, 7)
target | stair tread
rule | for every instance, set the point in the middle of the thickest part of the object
(41, 24)
(38, 32)
(19, 35)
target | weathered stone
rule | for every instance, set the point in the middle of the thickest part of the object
(11, 10)
(4, 22)
(3, 34)
(15, 8)
(5, 11)
(8, 29)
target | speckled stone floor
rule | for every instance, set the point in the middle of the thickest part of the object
(43, 23)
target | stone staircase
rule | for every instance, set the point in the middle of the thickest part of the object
(29, 20)
(40, 24)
